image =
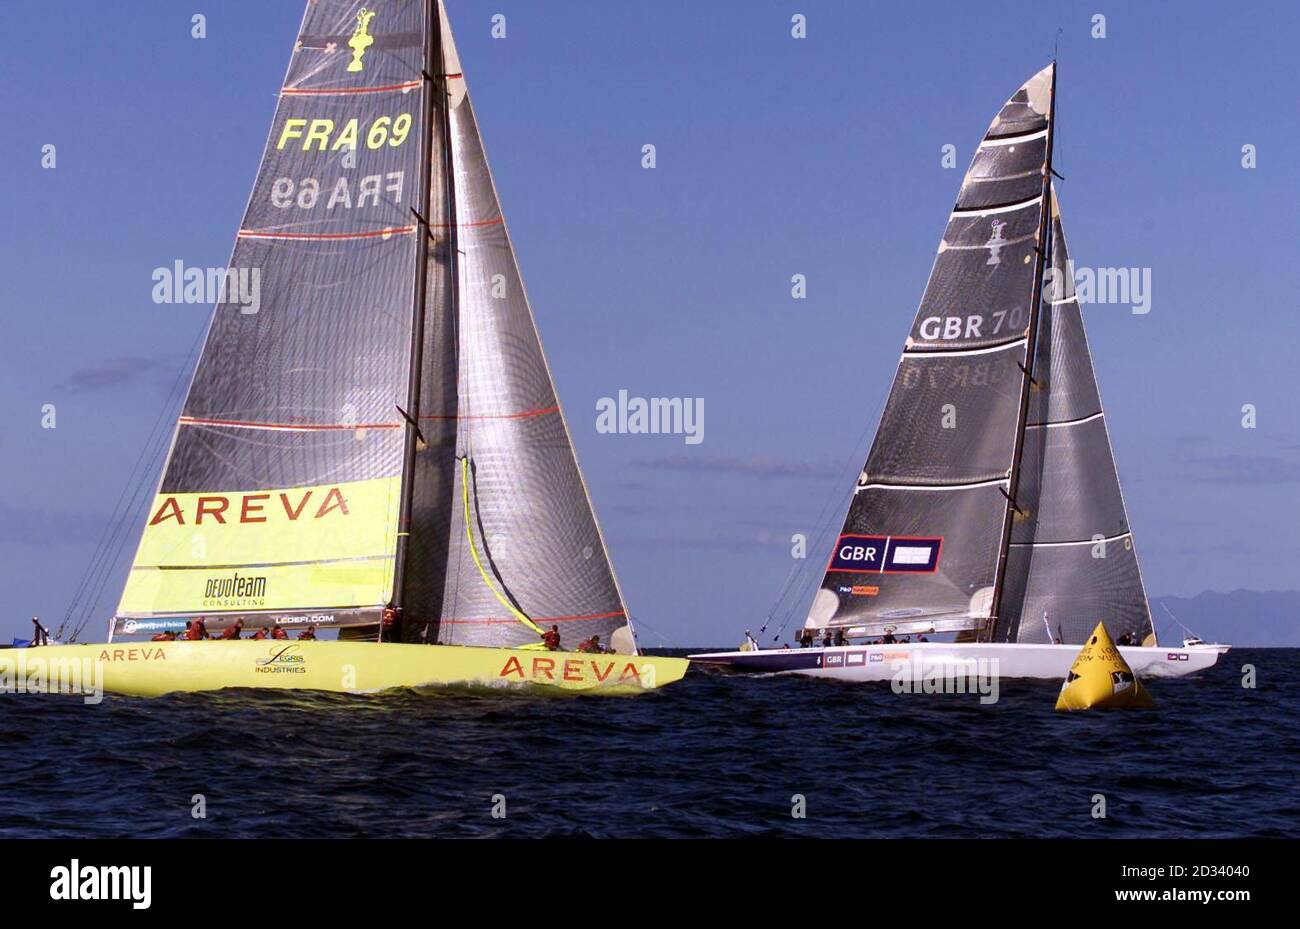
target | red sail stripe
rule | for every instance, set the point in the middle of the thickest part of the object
(350, 90)
(251, 234)
(537, 619)
(524, 415)
(482, 222)
(292, 427)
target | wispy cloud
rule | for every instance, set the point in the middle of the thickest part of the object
(1244, 469)
(32, 525)
(757, 466)
(124, 371)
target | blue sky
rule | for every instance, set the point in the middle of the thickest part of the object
(775, 156)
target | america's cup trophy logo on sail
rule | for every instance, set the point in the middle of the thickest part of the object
(361, 39)
(995, 243)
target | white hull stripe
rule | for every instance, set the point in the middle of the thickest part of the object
(1067, 422)
(920, 353)
(1114, 538)
(1015, 140)
(882, 486)
(990, 211)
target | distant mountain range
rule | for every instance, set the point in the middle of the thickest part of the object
(1242, 617)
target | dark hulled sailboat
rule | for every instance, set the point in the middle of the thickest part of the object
(989, 508)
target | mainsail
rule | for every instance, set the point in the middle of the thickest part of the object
(989, 503)
(921, 544)
(316, 472)
(1072, 561)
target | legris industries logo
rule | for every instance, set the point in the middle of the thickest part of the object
(283, 659)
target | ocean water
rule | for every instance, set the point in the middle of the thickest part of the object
(714, 755)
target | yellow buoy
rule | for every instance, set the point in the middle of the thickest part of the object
(1101, 677)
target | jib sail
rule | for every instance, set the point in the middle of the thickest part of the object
(1072, 561)
(522, 550)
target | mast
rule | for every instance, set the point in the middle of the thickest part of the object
(1027, 371)
(433, 55)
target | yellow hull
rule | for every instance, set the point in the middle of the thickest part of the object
(150, 669)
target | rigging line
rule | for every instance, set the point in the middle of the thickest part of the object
(115, 513)
(642, 624)
(143, 460)
(134, 514)
(785, 586)
(822, 527)
(473, 550)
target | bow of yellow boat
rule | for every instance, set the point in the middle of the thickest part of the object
(150, 669)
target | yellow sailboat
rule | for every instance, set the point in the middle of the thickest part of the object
(372, 444)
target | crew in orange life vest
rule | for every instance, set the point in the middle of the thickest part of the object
(260, 633)
(278, 633)
(591, 645)
(191, 633)
(201, 628)
(551, 638)
(232, 632)
(308, 634)
(165, 636)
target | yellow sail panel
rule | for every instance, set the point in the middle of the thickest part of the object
(303, 547)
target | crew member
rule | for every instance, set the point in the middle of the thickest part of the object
(278, 633)
(840, 637)
(259, 634)
(826, 639)
(202, 629)
(232, 632)
(551, 638)
(165, 636)
(391, 630)
(308, 634)
(591, 645)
